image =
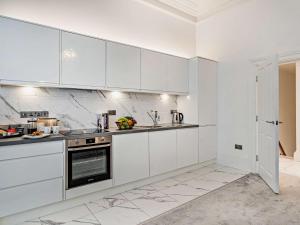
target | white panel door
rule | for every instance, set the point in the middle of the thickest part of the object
(83, 60)
(25, 197)
(32, 169)
(207, 92)
(162, 148)
(28, 52)
(207, 143)
(123, 66)
(153, 71)
(268, 114)
(178, 77)
(130, 157)
(187, 147)
(33, 149)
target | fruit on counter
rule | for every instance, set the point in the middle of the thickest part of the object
(3, 132)
(126, 122)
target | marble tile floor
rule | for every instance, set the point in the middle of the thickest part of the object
(289, 166)
(143, 203)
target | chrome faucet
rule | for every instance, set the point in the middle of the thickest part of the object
(155, 118)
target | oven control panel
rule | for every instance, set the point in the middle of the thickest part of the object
(89, 141)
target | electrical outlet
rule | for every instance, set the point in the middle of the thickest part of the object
(112, 112)
(30, 114)
(238, 147)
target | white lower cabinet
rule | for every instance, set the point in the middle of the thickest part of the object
(130, 157)
(31, 176)
(207, 143)
(187, 147)
(162, 149)
(28, 170)
(21, 198)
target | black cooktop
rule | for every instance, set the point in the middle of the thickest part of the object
(83, 131)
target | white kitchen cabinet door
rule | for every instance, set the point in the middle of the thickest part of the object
(130, 157)
(207, 92)
(163, 152)
(153, 71)
(187, 147)
(123, 66)
(178, 77)
(32, 169)
(83, 60)
(207, 143)
(28, 52)
(29, 150)
(25, 197)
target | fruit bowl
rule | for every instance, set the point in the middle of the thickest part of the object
(125, 123)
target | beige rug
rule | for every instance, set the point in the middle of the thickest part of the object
(247, 201)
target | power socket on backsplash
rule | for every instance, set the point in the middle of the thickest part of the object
(112, 112)
(30, 114)
(238, 147)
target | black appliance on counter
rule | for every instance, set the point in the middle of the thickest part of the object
(88, 159)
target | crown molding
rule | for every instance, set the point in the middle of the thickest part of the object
(187, 12)
(170, 10)
(223, 7)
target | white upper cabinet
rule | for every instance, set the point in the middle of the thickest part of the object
(28, 52)
(178, 79)
(163, 73)
(153, 71)
(207, 92)
(123, 66)
(83, 60)
(32, 53)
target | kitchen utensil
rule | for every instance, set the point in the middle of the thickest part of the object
(55, 129)
(180, 117)
(32, 125)
(47, 130)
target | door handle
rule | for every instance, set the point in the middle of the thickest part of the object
(272, 122)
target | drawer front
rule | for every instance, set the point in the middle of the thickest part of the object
(30, 196)
(27, 150)
(28, 170)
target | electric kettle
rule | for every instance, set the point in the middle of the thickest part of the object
(177, 118)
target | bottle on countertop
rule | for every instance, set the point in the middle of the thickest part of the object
(105, 121)
(99, 121)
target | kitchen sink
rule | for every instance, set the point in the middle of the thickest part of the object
(148, 126)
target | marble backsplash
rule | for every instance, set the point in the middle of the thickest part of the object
(78, 109)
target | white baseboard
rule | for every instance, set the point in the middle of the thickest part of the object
(69, 203)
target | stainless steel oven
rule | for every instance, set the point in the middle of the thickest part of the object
(88, 160)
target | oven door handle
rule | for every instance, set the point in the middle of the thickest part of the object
(88, 148)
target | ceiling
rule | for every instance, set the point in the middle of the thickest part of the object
(194, 10)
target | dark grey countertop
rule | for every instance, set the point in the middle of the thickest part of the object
(20, 140)
(137, 129)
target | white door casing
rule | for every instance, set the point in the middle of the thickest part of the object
(267, 124)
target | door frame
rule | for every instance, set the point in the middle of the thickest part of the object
(283, 57)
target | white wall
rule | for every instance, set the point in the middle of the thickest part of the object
(297, 153)
(233, 37)
(127, 21)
